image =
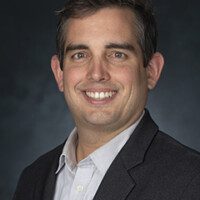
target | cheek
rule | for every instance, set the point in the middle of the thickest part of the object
(129, 77)
(72, 76)
(133, 81)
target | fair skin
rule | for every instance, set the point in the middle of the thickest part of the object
(103, 79)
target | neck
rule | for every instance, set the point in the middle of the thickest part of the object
(90, 140)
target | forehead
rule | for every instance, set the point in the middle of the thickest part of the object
(105, 24)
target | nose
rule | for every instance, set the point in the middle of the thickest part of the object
(98, 71)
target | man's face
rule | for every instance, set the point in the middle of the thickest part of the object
(104, 81)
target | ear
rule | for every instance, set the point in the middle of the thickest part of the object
(58, 73)
(154, 70)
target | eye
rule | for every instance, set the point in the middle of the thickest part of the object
(79, 56)
(119, 55)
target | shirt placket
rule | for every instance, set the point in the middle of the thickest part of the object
(82, 179)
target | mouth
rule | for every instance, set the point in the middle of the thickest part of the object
(99, 97)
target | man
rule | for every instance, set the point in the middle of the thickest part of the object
(105, 66)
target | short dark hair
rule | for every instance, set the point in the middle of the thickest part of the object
(142, 9)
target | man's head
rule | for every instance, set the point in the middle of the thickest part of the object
(103, 76)
(144, 22)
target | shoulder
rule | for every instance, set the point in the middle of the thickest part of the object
(47, 158)
(170, 148)
(179, 162)
(43, 163)
(36, 172)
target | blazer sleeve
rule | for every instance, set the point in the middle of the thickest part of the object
(192, 192)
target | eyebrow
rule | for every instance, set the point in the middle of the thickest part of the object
(72, 47)
(125, 46)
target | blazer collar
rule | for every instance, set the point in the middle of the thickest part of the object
(135, 149)
(118, 182)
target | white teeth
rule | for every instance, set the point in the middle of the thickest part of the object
(100, 95)
(97, 95)
(92, 94)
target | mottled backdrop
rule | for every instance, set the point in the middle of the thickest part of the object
(34, 117)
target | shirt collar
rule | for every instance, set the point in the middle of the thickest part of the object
(68, 155)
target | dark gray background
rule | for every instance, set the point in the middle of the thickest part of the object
(34, 117)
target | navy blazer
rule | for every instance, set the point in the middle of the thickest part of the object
(150, 166)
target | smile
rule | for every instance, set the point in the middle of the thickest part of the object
(100, 95)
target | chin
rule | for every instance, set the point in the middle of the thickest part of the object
(99, 118)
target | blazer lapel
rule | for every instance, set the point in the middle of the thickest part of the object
(118, 182)
(50, 183)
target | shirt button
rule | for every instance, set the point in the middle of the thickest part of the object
(79, 188)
